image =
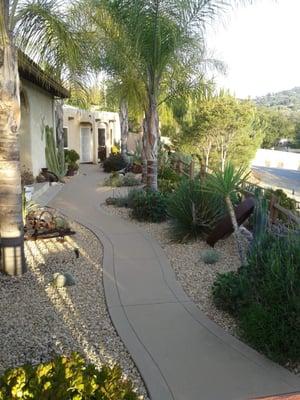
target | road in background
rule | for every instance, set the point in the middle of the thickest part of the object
(288, 180)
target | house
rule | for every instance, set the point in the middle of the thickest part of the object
(91, 133)
(38, 92)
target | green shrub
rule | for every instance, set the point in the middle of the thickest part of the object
(130, 180)
(114, 180)
(169, 174)
(227, 292)
(71, 156)
(122, 202)
(210, 256)
(134, 194)
(115, 162)
(265, 296)
(168, 179)
(117, 180)
(65, 378)
(165, 186)
(148, 206)
(193, 210)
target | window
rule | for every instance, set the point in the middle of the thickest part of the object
(66, 144)
(101, 137)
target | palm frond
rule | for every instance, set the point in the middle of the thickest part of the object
(44, 31)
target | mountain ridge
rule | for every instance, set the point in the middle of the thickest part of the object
(285, 99)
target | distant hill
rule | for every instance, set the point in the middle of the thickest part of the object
(287, 99)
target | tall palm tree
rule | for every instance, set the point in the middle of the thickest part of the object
(38, 28)
(162, 33)
(153, 37)
(11, 223)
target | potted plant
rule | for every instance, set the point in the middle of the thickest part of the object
(71, 158)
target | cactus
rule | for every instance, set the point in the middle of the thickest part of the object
(55, 161)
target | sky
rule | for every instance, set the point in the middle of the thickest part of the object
(260, 44)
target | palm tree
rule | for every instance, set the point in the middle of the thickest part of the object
(125, 93)
(37, 28)
(154, 37)
(11, 227)
(227, 182)
(115, 57)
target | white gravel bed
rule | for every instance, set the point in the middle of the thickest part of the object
(194, 275)
(39, 321)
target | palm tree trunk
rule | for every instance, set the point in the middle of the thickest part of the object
(11, 222)
(144, 149)
(123, 113)
(238, 237)
(152, 143)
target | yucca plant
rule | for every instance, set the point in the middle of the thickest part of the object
(193, 210)
(226, 183)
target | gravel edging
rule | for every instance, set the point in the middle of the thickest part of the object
(39, 321)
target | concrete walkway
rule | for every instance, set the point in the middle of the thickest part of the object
(180, 353)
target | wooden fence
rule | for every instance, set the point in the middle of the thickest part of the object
(185, 169)
(274, 206)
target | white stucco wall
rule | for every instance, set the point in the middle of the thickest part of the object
(75, 118)
(41, 113)
(277, 159)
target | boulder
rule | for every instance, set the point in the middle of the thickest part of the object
(61, 280)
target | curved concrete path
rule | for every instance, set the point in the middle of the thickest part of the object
(180, 353)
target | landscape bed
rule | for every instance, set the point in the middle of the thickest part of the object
(197, 277)
(39, 321)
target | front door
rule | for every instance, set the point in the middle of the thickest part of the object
(86, 145)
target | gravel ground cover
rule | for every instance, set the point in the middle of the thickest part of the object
(38, 320)
(194, 275)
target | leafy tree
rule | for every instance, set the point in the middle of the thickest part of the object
(222, 128)
(278, 125)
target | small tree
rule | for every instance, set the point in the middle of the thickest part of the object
(221, 128)
(227, 182)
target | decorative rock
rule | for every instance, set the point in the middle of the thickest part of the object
(70, 279)
(62, 280)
